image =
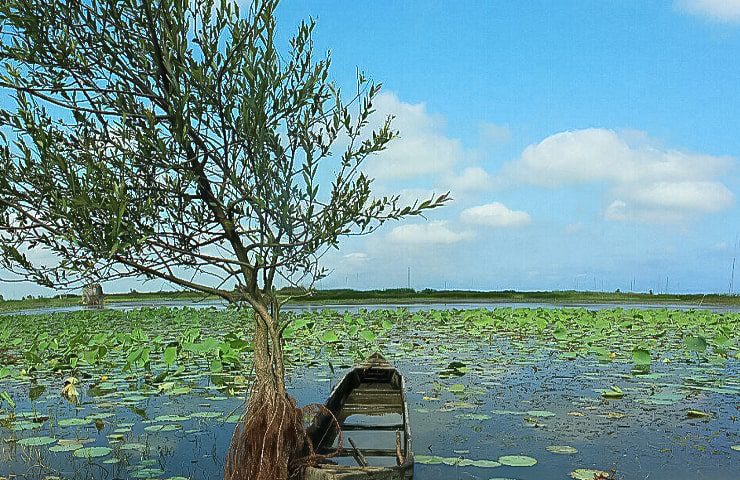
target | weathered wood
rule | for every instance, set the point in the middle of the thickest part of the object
(359, 457)
(92, 295)
(373, 389)
(329, 472)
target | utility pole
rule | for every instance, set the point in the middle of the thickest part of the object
(408, 277)
(732, 277)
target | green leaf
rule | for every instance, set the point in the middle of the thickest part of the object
(216, 365)
(613, 392)
(641, 356)
(36, 441)
(368, 335)
(6, 396)
(169, 355)
(517, 461)
(696, 344)
(92, 452)
(329, 337)
(456, 388)
(560, 333)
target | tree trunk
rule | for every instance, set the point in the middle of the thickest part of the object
(270, 439)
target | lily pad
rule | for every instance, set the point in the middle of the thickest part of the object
(74, 422)
(162, 428)
(36, 441)
(517, 461)
(92, 452)
(540, 413)
(613, 393)
(697, 414)
(66, 446)
(587, 474)
(562, 449)
(147, 473)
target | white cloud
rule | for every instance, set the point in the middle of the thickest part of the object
(573, 228)
(494, 133)
(718, 10)
(422, 147)
(701, 197)
(356, 258)
(428, 233)
(471, 179)
(647, 182)
(495, 215)
(616, 211)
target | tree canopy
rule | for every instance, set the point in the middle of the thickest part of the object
(175, 139)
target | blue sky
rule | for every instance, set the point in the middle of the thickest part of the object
(589, 145)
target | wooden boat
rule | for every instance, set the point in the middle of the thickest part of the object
(370, 406)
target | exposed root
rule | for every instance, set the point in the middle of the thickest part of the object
(270, 442)
(318, 414)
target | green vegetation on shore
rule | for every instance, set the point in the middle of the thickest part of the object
(402, 295)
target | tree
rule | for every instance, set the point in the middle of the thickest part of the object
(174, 139)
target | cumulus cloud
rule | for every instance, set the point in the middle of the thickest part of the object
(471, 179)
(495, 215)
(422, 147)
(726, 11)
(356, 258)
(701, 197)
(494, 133)
(646, 182)
(436, 232)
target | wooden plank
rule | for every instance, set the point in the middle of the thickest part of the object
(352, 473)
(354, 426)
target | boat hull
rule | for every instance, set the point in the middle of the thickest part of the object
(370, 406)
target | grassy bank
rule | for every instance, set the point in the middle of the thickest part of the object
(403, 295)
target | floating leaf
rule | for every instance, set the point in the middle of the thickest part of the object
(588, 474)
(171, 418)
(74, 422)
(517, 461)
(147, 473)
(36, 441)
(613, 392)
(162, 428)
(66, 446)
(697, 414)
(92, 452)
(562, 449)
(540, 413)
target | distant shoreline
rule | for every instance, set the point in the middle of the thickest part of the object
(407, 296)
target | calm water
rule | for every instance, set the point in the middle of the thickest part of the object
(517, 398)
(412, 307)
